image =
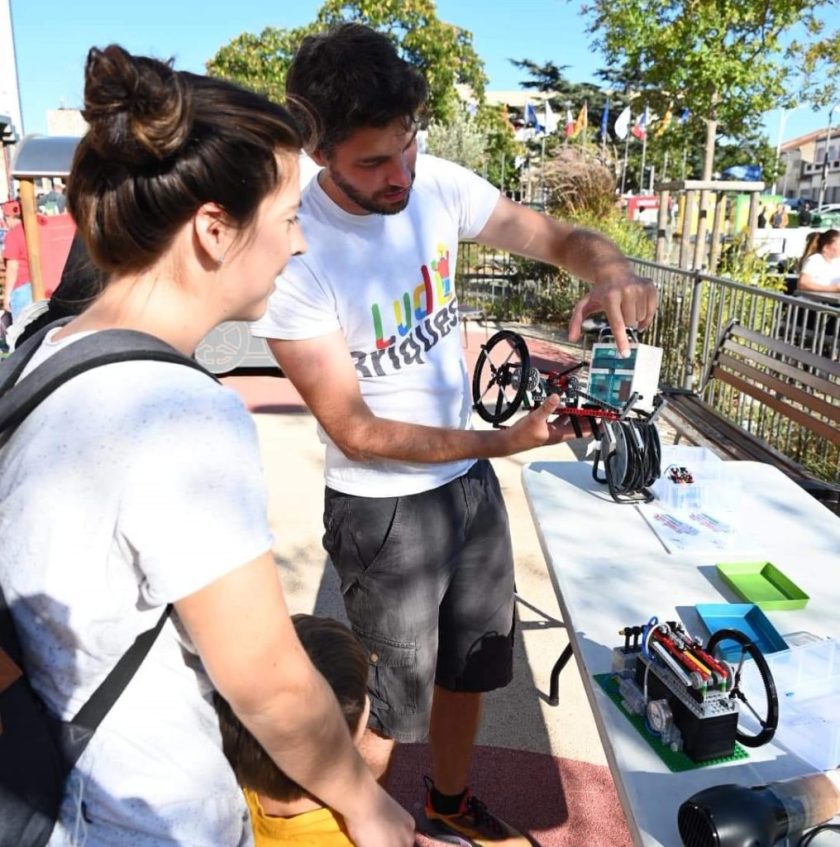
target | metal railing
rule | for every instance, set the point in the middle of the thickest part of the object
(694, 308)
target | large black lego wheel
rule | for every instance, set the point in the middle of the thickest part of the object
(770, 720)
(501, 375)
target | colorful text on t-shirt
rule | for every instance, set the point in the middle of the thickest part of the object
(416, 304)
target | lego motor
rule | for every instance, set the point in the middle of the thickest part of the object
(690, 697)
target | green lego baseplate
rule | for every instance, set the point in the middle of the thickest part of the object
(676, 761)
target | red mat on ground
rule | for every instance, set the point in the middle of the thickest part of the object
(557, 802)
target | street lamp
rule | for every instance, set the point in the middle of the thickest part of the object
(783, 116)
(824, 177)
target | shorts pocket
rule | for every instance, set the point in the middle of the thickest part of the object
(392, 678)
(358, 533)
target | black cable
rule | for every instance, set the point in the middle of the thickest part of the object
(810, 836)
(643, 463)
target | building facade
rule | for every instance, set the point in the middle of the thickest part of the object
(811, 166)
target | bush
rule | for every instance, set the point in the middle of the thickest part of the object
(578, 185)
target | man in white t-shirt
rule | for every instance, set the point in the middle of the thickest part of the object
(366, 327)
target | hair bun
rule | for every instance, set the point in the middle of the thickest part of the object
(139, 110)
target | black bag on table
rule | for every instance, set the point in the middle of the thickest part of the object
(37, 749)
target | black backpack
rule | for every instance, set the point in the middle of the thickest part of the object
(37, 750)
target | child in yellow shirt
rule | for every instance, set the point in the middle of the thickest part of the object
(282, 813)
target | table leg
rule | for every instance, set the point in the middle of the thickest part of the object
(554, 690)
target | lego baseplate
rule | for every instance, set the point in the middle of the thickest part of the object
(675, 761)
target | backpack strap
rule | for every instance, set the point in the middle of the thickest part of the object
(12, 366)
(18, 397)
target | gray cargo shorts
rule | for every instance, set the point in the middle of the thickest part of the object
(428, 586)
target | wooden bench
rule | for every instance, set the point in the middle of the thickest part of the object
(796, 384)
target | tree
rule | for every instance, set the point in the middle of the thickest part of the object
(259, 61)
(442, 51)
(722, 60)
(819, 61)
(461, 140)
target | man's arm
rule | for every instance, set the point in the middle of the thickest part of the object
(241, 628)
(627, 299)
(322, 371)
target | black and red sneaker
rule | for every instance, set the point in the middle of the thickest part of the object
(473, 825)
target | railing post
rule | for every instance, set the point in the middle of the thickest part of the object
(693, 330)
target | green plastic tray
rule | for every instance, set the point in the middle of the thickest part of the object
(764, 584)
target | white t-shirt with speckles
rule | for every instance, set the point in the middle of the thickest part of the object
(131, 486)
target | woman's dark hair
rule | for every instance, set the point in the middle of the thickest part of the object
(351, 77)
(816, 242)
(340, 658)
(160, 144)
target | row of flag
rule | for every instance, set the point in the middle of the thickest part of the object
(573, 127)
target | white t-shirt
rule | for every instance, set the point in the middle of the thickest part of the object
(131, 486)
(388, 282)
(822, 270)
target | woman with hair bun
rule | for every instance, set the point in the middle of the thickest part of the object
(820, 263)
(139, 484)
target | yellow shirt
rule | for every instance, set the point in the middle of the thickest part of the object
(320, 828)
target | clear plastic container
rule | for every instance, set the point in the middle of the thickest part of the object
(711, 487)
(808, 683)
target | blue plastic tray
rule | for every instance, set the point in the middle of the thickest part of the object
(744, 616)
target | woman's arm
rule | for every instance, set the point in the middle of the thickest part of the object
(807, 282)
(241, 628)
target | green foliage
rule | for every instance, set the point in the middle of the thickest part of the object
(442, 51)
(630, 236)
(501, 147)
(741, 263)
(259, 61)
(723, 60)
(819, 61)
(461, 140)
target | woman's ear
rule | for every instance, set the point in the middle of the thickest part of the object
(214, 233)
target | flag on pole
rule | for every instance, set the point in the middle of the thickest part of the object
(640, 129)
(570, 123)
(664, 122)
(582, 121)
(622, 123)
(605, 117)
(550, 119)
(531, 118)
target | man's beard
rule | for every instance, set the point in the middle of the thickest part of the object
(373, 204)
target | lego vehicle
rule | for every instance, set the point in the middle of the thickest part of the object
(689, 696)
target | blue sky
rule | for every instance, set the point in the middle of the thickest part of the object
(53, 36)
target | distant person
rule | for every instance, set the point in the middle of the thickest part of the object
(282, 813)
(820, 263)
(53, 202)
(805, 216)
(779, 219)
(17, 290)
(762, 218)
